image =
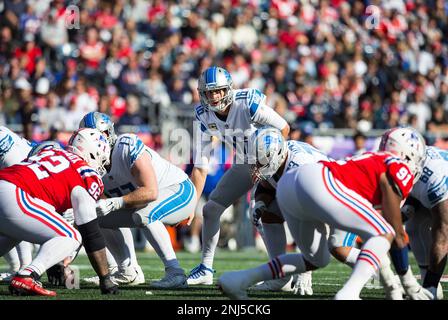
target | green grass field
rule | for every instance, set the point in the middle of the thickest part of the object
(326, 282)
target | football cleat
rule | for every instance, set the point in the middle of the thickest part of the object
(171, 281)
(130, 276)
(233, 285)
(201, 275)
(95, 280)
(5, 277)
(346, 295)
(26, 286)
(283, 284)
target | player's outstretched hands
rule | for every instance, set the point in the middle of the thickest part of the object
(105, 206)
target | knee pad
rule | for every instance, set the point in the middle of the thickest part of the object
(212, 208)
(93, 240)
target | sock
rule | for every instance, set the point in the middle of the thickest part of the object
(160, 240)
(129, 241)
(25, 252)
(13, 260)
(210, 231)
(352, 257)
(110, 260)
(50, 253)
(274, 239)
(115, 242)
(369, 261)
(387, 276)
(279, 267)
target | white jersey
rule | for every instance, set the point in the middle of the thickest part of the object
(13, 148)
(432, 187)
(300, 153)
(128, 148)
(247, 113)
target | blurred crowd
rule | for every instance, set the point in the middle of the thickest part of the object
(322, 64)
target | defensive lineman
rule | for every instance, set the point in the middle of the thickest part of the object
(232, 116)
(50, 182)
(13, 150)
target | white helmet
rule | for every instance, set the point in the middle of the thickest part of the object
(269, 152)
(44, 145)
(102, 122)
(215, 78)
(407, 144)
(92, 146)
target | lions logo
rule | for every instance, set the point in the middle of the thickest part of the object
(5, 145)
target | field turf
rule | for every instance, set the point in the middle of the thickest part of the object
(326, 282)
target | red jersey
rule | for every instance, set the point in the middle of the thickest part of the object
(51, 175)
(362, 174)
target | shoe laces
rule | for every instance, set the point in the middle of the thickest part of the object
(199, 271)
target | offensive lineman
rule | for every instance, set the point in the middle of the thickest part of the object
(145, 191)
(427, 209)
(343, 194)
(232, 116)
(275, 156)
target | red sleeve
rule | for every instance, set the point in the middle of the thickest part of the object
(95, 186)
(402, 176)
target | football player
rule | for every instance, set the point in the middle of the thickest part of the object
(230, 115)
(144, 191)
(274, 156)
(427, 226)
(14, 149)
(343, 194)
(404, 143)
(48, 184)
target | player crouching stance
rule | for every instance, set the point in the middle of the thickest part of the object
(273, 157)
(145, 191)
(342, 194)
(35, 192)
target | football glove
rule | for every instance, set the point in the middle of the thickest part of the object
(69, 216)
(105, 206)
(56, 275)
(304, 284)
(257, 211)
(413, 289)
(107, 286)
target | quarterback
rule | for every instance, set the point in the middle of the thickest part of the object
(232, 116)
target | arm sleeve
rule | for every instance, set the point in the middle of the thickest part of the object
(83, 204)
(401, 177)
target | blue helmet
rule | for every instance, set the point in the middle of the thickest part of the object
(269, 150)
(101, 122)
(44, 145)
(215, 78)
